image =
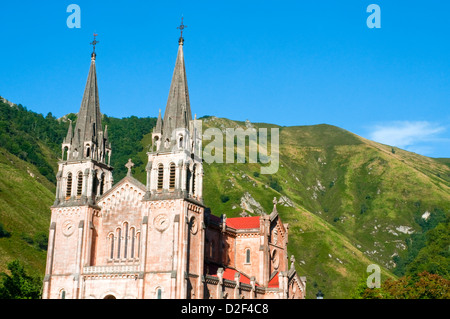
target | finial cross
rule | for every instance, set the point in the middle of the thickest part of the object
(94, 42)
(129, 165)
(181, 27)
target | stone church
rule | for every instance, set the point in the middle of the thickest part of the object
(158, 240)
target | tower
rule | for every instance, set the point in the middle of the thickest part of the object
(174, 194)
(84, 174)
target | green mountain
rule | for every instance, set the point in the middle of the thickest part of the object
(349, 202)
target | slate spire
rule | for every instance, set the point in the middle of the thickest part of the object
(89, 117)
(178, 108)
(87, 139)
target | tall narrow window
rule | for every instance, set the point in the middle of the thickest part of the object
(138, 239)
(188, 180)
(119, 240)
(102, 185)
(125, 248)
(132, 241)
(172, 177)
(69, 186)
(79, 184)
(247, 256)
(65, 153)
(194, 186)
(111, 238)
(160, 176)
(158, 293)
(88, 151)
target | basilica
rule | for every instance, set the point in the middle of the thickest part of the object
(155, 241)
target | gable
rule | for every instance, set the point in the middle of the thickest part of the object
(126, 193)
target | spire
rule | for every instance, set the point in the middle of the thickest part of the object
(178, 108)
(89, 117)
(68, 138)
(158, 127)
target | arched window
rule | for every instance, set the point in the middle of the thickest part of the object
(111, 238)
(180, 141)
(119, 240)
(158, 293)
(69, 186)
(160, 177)
(188, 180)
(102, 185)
(88, 151)
(156, 143)
(65, 153)
(79, 184)
(247, 256)
(133, 234)
(62, 294)
(138, 239)
(172, 177)
(125, 249)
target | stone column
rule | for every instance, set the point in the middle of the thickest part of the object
(237, 277)
(176, 229)
(78, 260)
(219, 293)
(142, 256)
(201, 253)
(49, 265)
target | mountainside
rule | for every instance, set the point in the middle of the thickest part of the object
(349, 202)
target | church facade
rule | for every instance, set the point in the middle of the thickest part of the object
(158, 240)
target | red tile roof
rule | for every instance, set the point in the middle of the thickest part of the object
(273, 283)
(228, 274)
(243, 222)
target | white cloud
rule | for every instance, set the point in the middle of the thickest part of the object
(409, 135)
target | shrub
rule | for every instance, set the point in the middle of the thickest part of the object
(4, 232)
(224, 198)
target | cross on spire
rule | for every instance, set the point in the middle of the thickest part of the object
(94, 43)
(181, 28)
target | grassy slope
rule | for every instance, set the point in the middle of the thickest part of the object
(25, 202)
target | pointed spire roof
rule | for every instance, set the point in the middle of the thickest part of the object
(158, 127)
(178, 108)
(68, 138)
(89, 117)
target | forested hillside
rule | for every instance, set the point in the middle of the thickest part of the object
(349, 202)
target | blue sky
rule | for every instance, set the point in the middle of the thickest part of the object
(282, 62)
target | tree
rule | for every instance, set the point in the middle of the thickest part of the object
(19, 285)
(420, 286)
